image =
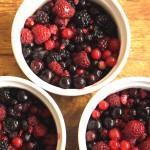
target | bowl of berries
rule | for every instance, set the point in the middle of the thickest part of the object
(118, 117)
(70, 47)
(29, 117)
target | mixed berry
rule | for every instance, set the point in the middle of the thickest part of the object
(121, 122)
(25, 123)
(70, 43)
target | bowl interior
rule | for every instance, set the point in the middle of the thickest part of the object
(114, 9)
(111, 88)
(45, 98)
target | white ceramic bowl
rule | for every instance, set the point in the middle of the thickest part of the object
(6, 81)
(29, 7)
(131, 82)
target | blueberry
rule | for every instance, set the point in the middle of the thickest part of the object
(108, 122)
(46, 75)
(22, 96)
(98, 73)
(91, 79)
(65, 82)
(90, 136)
(94, 125)
(116, 112)
(79, 82)
(26, 51)
(72, 69)
(133, 112)
(27, 137)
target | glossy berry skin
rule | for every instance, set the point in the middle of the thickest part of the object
(125, 145)
(67, 33)
(17, 142)
(114, 145)
(79, 82)
(96, 114)
(106, 54)
(114, 134)
(110, 61)
(103, 105)
(90, 136)
(65, 82)
(102, 65)
(96, 54)
(108, 123)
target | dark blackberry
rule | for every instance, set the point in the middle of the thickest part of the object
(42, 17)
(10, 125)
(82, 3)
(47, 8)
(53, 56)
(79, 39)
(5, 96)
(39, 54)
(3, 145)
(64, 54)
(72, 3)
(22, 96)
(95, 10)
(103, 43)
(82, 18)
(71, 47)
(98, 33)
(89, 37)
(102, 20)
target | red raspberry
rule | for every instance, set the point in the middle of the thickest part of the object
(41, 33)
(63, 9)
(53, 29)
(39, 130)
(101, 146)
(114, 134)
(67, 33)
(26, 36)
(50, 45)
(103, 105)
(29, 22)
(62, 22)
(114, 145)
(65, 73)
(82, 59)
(145, 145)
(134, 129)
(125, 145)
(17, 142)
(55, 67)
(32, 120)
(2, 112)
(110, 61)
(114, 100)
(96, 54)
(96, 114)
(114, 44)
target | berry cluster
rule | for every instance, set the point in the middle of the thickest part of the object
(69, 43)
(25, 123)
(121, 122)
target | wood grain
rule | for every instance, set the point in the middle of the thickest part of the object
(138, 12)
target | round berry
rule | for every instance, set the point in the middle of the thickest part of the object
(108, 122)
(53, 29)
(102, 65)
(114, 145)
(114, 134)
(96, 54)
(88, 49)
(67, 33)
(103, 105)
(90, 136)
(49, 45)
(110, 61)
(29, 22)
(114, 44)
(106, 54)
(79, 82)
(65, 82)
(125, 145)
(91, 79)
(96, 114)
(17, 142)
(80, 71)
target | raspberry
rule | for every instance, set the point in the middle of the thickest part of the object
(125, 145)
(114, 145)
(2, 112)
(63, 9)
(53, 29)
(26, 36)
(39, 130)
(32, 120)
(82, 59)
(114, 134)
(145, 145)
(114, 100)
(101, 146)
(50, 45)
(55, 67)
(41, 33)
(29, 22)
(134, 129)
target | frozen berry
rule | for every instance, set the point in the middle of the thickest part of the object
(79, 82)
(26, 36)
(114, 145)
(50, 45)
(67, 33)
(114, 44)
(96, 114)
(65, 82)
(17, 142)
(110, 61)
(90, 136)
(103, 105)
(96, 54)
(125, 145)
(114, 134)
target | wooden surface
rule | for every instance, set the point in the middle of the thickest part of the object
(138, 12)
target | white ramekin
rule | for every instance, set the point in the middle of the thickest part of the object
(27, 8)
(118, 85)
(6, 81)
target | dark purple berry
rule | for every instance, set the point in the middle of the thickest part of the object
(108, 122)
(22, 96)
(94, 125)
(26, 51)
(116, 112)
(46, 75)
(79, 82)
(65, 82)
(91, 79)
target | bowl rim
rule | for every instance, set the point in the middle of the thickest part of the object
(45, 98)
(69, 92)
(115, 86)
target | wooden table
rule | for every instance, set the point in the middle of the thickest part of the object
(138, 12)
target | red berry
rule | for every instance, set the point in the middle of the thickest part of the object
(39, 130)
(96, 114)
(65, 73)
(114, 44)
(88, 49)
(143, 93)
(106, 54)
(103, 105)
(110, 61)
(114, 134)
(63, 9)
(26, 36)
(90, 136)
(125, 145)
(41, 33)
(114, 100)
(124, 99)
(32, 120)
(96, 54)
(2, 112)
(145, 145)
(29, 22)
(80, 71)
(114, 145)
(101, 146)
(50, 45)
(82, 59)
(53, 29)
(67, 33)
(17, 142)
(55, 67)
(101, 65)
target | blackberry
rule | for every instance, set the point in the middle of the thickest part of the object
(22, 96)
(72, 3)
(47, 9)
(82, 18)
(98, 33)
(89, 37)
(79, 39)
(3, 145)
(82, 3)
(42, 17)
(71, 47)
(11, 124)
(53, 56)
(64, 54)
(5, 96)
(103, 43)
(102, 20)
